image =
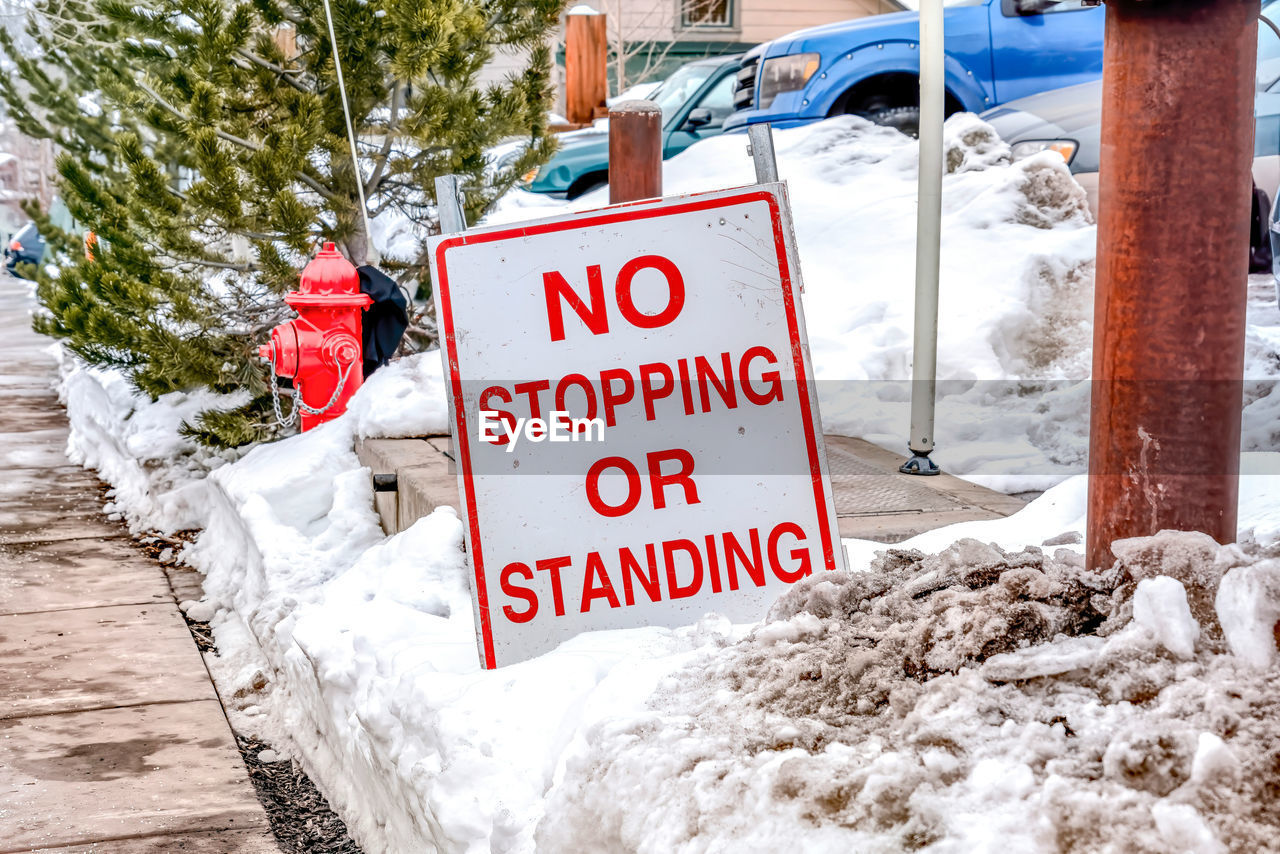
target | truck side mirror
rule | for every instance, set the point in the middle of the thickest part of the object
(698, 117)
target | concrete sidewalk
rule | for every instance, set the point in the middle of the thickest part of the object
(112, 738)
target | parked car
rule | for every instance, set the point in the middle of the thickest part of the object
(695, 101)
(26, 247)
(997, 50)
(1274, 232)
(1069, 121)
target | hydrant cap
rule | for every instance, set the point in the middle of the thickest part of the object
(329, 273)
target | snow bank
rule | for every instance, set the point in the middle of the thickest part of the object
(975, 700)
(157, 475)
(356, 654)
(134, 443)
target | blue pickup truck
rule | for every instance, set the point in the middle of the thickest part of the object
(997, 50)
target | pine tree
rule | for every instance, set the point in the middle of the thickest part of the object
(204, 144)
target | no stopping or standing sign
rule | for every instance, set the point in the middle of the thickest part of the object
(636, 431)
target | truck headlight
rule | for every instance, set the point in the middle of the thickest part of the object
(1064, 147)
(785, 74)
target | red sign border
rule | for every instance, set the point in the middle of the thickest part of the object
(606, 216)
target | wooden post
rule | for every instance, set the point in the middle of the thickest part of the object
(586, 49)
(1173, 240)
(635, 151)
(286, 38)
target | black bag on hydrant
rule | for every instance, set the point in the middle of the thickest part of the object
(383, 323)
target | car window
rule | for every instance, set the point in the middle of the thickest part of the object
(1269, 50)
(719, 100)
(28, 234)
(673, 92)
(1266, 137)
(1016, 8)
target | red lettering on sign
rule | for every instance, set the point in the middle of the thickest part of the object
(588, 390)
(598, 504)
(686, 385)
(554, 285)
(604, 590)
(726, 390)
(733, 554)
(612, 399)
(522, 593)
(630, 566)
(674, 589)
(675, 292)
(650, 392)
(773, 378)
(658, 482)
(506, 417)
(799, 555)
(553, 565)
(530, 390)
(713, 562)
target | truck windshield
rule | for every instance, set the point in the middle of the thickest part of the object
(673, 92)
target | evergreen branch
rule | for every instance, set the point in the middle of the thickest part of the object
(315, 185)
(285, 74)
(380, 159)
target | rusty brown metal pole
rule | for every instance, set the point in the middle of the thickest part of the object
(1173, 240)
(635, 151)
(586, 53)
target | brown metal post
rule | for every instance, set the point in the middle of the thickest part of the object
(1173, 239)
(635, 151)
(586, 51)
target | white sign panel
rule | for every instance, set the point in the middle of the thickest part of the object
(636, 431)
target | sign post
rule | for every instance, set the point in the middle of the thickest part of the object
(635, 422)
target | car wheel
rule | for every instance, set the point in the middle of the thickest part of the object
(903, 119)
(585, 185)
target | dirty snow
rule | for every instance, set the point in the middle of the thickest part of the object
(970, 701)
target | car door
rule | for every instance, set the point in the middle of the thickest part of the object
(1037, 45)
(717, 99)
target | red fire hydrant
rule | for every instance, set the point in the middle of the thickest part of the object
(321, 348)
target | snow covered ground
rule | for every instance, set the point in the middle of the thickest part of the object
(947, 696)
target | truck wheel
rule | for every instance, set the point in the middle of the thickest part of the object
(904, 119)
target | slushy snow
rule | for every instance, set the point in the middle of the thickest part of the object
(972, 689)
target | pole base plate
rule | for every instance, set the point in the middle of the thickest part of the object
(920, 464)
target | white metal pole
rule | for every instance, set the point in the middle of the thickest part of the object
(449, 204)
(371, 252)
(761, 150)
(928, 236)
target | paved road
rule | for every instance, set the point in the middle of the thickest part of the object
(112, 738)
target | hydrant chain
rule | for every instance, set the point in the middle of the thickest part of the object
(337, 392)
(298, 404)
(275, 399)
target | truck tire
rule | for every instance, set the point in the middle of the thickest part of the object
(904, 119)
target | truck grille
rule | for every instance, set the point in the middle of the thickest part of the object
(744, 96)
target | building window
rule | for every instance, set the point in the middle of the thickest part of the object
(706, 13)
